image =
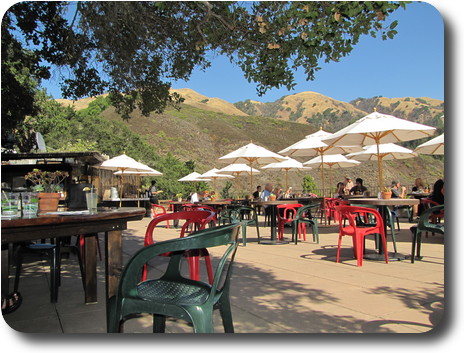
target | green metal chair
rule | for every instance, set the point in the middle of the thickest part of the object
(244, 214)
(247, 216)
(425, 225)
(172, 294)
(304, 217)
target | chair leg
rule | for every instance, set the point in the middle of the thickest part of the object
(359, 244)
(159, 323)
(202, 320)
(338, 249)
(413, 247)
(209, 269)
(226, 313)
(54, 272)
(315, 232)
(244, 230)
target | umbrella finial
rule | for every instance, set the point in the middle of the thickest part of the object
(375, 109)
(320, 129)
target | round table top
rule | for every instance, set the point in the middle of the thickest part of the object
(385, 202)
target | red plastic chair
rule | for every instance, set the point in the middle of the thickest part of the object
(198, 219)
(335, 203)
(359, 233)
(286, 214)
(158, 210)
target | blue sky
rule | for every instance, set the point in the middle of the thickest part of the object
(410, 65)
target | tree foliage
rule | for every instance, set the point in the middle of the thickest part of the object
(134, 50)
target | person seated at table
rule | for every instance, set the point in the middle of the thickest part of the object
(340, 192)
(348, 185)
(418, 185)
(438, 192)
(396, 187)
(206, 196)
(359, 188)
(289, 193)
(266, 192)
(194, 197)
(278, 192)
(257, 193)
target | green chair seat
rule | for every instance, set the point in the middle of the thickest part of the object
(170, 292)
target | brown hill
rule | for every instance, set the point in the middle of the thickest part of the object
(199, 132)
(200, 101)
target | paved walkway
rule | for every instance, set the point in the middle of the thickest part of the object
(275, 289)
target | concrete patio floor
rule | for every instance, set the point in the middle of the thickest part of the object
(275, 289)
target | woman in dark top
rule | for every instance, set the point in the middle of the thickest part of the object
(437, 194)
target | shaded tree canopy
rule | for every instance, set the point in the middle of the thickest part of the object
(133, 50)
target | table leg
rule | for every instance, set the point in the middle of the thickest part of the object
(380, 256)
(7, 250)
(113, 246)
(273, 240)
(90, 269)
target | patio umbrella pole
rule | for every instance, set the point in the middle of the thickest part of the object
(286, 180)
(121, 187)
(251, 177)
(138, 189)
(379, 163)
(322, 167)
(330, 173)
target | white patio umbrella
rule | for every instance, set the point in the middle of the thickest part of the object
(139, 175)
(312, 145)
(124, 164)
(433, 146)
(212, 174)
(251, 154)
(332, 161)
(385, 151)
(237, 169)
(195, 177)
(287, 165)
(376, 129)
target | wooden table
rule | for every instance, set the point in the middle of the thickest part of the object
(272, 205)
(382, 205)
(109, 221)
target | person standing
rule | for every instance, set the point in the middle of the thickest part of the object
(154, 193)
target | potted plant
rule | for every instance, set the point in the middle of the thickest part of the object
(386, 193)
(272, 197)
(47, 184)
(179, 197)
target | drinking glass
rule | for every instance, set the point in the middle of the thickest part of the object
(10, 204)
(30, 204)
(92, 198)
